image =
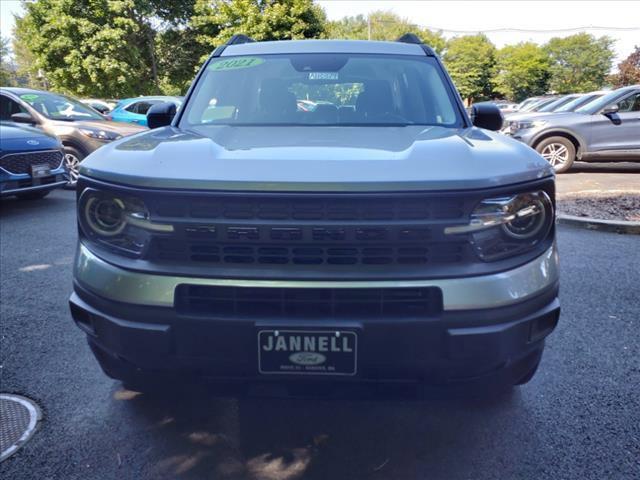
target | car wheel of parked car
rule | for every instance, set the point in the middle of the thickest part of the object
(72, 159)
(560, 152)
(33, 195)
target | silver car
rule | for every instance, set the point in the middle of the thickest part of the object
(381, 236)
(605, 129)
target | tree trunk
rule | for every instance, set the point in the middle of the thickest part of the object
(152, 55)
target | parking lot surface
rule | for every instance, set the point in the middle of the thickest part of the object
(599, 177)
(579, 417)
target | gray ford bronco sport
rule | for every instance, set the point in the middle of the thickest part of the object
(318, 212)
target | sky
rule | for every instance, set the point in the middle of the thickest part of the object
(541, 20)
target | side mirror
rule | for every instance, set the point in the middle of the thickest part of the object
(610, 109)
(23, 118)
(102, 109)
(161, 114)
(486, 115)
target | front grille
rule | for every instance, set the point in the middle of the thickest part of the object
(308, 254)
(330, 209)
(309, 231)
(19, 163)
(249, 302)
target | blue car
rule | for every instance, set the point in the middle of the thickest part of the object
(31, 162)
(134, 110)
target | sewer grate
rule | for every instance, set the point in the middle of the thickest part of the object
(19, 417)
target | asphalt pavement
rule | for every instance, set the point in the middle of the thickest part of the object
(599, 177)
(579, 418)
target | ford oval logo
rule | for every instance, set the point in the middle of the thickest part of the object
(33, 142)
(307, 358)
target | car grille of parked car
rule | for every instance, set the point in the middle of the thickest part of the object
(308, 302)
(19, 163)
(301, 231)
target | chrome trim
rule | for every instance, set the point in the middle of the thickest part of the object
(486, 291)
(31, 152)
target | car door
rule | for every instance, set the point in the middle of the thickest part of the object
(617, 131)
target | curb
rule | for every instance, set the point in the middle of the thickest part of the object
(616, 226)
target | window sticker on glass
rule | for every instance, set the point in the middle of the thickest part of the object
(236, 63)
(323, 75)
(29, 97)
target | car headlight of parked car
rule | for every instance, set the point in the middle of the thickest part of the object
(506, 226)
(106, 135)
(526, 124)
(117, 222)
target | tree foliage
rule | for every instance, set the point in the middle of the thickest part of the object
(382, 25)
(628, 70)
(521, 71)
(215, 21)
(579, 63)
(104, 47)
(6, 74)
(470, 60)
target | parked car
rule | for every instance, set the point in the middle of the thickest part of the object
(80, 128)
(31, 162)
(267, 245)
(559, 102)
(570, 106)
(506, 107)
(605, 129)
(134, 110)
(525, 103)
(100, 105)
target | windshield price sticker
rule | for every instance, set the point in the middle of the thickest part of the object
(323, 75)
(29, 97)
(236, 63)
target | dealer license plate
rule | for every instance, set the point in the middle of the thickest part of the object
(307, 352)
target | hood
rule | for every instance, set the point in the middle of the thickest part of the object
(21, 138)
(307, 158)
(122, 128)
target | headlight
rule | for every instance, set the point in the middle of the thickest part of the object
(526, 124)
(506, 226)
(107, 135)
(118, 222)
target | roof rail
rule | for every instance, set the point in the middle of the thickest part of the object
(415, 40)
(236, 39)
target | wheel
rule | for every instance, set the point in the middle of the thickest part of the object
(560, 152)
(37, 195)
(72, 159)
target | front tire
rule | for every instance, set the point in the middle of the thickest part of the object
(560, 152)
(72, 159)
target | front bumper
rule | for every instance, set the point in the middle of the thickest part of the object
(15, 184)
(491, 327)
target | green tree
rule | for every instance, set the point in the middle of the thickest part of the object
(103, 47)
(579, 63)
(470, 60)
(382, 25)
(521, 71)
(6, 72)
(215, 21)
(628, 71)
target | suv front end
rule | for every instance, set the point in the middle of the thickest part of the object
(348, 254)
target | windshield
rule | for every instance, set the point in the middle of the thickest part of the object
(553, 106)
(60, 107)
(578, 102)
(322, 89)
(600, 103)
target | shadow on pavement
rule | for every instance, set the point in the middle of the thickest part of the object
(613, 167)
(54, 202)
(193, 434)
